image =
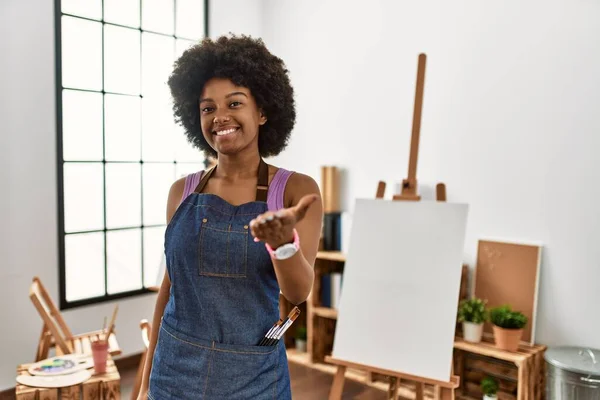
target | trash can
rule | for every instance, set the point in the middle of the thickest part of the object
(572, 373)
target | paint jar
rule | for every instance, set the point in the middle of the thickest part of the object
(100, 355)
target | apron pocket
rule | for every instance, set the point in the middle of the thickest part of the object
(245, 372)
(223, 249)
(179, 368)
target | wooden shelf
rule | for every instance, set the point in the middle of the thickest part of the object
(325, 312)
(331, 256)
(489, 349)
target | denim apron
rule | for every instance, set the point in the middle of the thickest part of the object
(224, 297)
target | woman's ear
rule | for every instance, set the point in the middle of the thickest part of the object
(263, 118)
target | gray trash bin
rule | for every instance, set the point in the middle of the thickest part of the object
(573, 373)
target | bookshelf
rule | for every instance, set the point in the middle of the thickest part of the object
(318, 319)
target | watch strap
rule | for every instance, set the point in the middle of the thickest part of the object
(295, 243)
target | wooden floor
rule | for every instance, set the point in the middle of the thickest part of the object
(310, 384)
(307, 384)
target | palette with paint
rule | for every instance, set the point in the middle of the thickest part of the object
(61, 365)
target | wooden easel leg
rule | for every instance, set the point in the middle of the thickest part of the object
(337, 388)
(393, 389)
(419, 391)
(447, 394)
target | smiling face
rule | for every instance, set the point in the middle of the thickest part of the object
(229, 117)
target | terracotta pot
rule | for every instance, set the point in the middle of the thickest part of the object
(507, 339)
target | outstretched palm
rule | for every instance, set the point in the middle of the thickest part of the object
(277, 228)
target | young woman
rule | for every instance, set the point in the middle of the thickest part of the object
(238, 233)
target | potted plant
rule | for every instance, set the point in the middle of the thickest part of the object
(301, 338)
(508, 327)
(473, 314)
(489, 387)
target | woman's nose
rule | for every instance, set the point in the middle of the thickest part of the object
(221, 117)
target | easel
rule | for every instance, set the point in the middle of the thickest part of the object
(409, 185)
(442, 390)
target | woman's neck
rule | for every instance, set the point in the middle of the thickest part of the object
(238, 166)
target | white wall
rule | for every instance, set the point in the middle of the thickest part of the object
(511, 121)
(28, 232)
(236, 16)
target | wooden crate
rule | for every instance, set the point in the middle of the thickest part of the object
(105, 386)
(520, 374)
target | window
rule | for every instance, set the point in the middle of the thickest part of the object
(119, 149)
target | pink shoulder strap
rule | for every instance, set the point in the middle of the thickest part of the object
(277, 189)
(191, 181)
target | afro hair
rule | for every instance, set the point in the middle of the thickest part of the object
(246, 62)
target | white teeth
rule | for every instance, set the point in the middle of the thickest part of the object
(227, 132)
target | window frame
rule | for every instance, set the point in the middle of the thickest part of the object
(64, 304)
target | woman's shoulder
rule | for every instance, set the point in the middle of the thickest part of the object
(297, 186)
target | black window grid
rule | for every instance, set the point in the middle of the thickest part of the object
(63, 302)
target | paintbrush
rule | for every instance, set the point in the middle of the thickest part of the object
(111, 326)
(103, 330)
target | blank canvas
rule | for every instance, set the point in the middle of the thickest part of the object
(401, 285)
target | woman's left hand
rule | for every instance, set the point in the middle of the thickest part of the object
(277, 228)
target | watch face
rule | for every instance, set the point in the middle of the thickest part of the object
(285, 251)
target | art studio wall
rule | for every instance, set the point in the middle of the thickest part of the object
(510, 122)
(28, 210)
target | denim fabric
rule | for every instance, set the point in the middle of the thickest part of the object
(224, 298)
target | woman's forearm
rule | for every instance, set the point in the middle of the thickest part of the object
(295, 276)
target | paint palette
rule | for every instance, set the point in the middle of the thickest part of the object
(54, 381)
(61, 365)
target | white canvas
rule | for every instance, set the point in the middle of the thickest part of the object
(401, 285)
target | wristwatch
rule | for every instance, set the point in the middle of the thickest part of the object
(285, 251)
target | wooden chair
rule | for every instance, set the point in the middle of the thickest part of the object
(55, 332)
(146, 331)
